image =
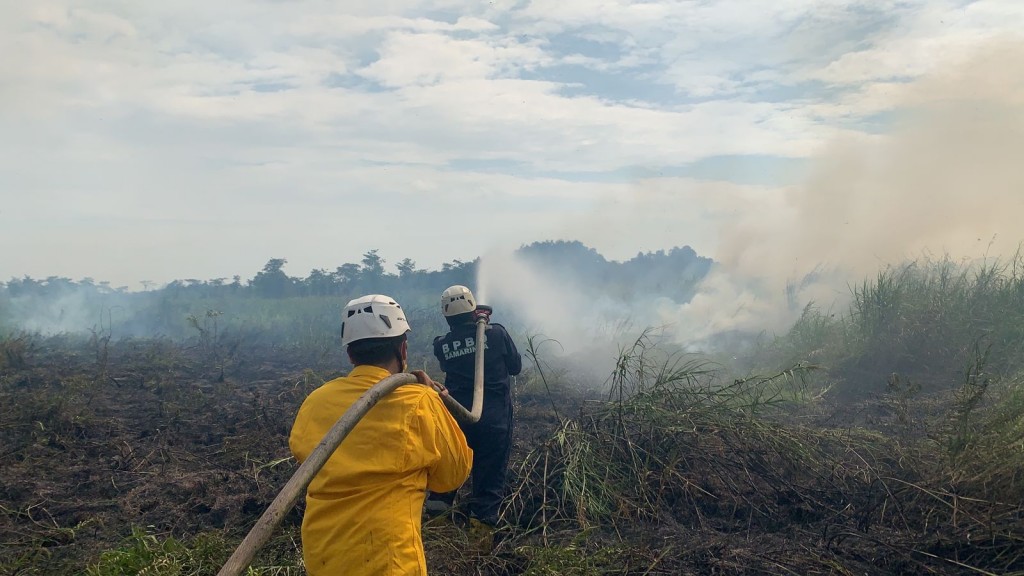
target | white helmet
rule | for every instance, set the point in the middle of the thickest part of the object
(457, 300)
(373, 316)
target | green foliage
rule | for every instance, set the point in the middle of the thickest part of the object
(922, 320)
(927, 316)
(144, 553)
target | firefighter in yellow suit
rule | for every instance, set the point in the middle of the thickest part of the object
(363, 509)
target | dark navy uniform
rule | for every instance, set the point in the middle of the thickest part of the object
(491, 437)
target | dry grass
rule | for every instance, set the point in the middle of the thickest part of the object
(678, 472)
(903, 456)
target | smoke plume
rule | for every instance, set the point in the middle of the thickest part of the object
(945, 179)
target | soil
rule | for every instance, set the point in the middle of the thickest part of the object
(98, 438)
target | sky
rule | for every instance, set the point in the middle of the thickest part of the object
(186, 139)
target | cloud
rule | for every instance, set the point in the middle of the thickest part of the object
(272, 119)
(933, 37)
(417, 59)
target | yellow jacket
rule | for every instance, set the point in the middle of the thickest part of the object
(363, 508)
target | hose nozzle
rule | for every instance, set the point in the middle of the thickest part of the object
(482, 312)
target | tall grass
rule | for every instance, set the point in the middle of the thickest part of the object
(670, 439)
(678, 446)
(927, 317)
(921, 320)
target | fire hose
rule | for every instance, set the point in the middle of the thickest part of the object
(297, 484)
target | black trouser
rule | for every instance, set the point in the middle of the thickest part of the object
(491, 441)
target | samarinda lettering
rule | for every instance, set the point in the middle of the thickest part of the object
(460, 348)
(459, 352)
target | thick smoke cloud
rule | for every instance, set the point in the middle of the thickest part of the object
(944, 179)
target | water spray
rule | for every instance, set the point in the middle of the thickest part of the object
(297, 484)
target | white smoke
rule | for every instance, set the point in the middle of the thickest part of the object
(551, 306)
(947, 180)
(71, 312)
(580, 331)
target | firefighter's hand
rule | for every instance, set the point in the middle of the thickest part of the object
(422, 378)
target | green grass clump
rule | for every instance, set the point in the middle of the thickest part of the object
(145, 553)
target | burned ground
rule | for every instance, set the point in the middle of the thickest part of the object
(110, 447)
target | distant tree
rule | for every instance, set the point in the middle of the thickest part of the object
(173, 288)
(23, 287)
(373, 266)
(319, 283)
(567, 259)
(453, 265)
(346, 275)
(52, 286)
(406, 268)
(272, 282)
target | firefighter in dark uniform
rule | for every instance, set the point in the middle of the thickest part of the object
(491, 437)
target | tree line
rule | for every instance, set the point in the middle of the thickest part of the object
(673, 272)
